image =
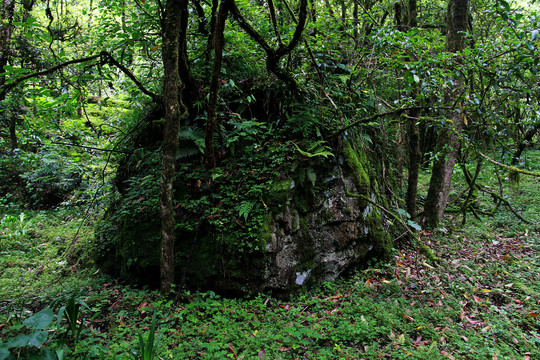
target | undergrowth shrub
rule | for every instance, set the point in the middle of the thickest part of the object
(52, 178)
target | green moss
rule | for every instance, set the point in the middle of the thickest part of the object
(295, 220)
(382, 244)
(278, 193)
(304, 226)
(356, 162)
(265, 233)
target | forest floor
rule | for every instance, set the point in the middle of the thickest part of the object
(481, 301)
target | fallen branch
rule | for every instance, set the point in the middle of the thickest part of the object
(504, 201)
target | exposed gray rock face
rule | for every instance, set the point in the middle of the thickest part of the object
(335, 233)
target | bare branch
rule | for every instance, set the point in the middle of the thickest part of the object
(104, 57)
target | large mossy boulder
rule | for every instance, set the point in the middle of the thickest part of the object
(272, 220)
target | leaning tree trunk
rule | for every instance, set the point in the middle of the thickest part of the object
(172, 107)
(448, 140)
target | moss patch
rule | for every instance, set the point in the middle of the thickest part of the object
(265, 232)
(382, 245)
(356, 162)
(279, 192)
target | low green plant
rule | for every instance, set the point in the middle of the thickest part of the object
(13, 229)
(72, 312)
(148, 347)
(31, 340)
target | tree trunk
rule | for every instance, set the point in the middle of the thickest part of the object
(415, 157)
(172, 108)
(219, 41)
(413, 132)
(6, 19)
(448, 141)
(412, 14)
(526, 140)
(13, 133)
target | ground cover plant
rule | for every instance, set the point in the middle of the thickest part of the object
(481, 300)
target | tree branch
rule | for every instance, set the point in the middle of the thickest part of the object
(511, 168)
(273, 55)
(104, 58)
(376, 116)
(112, 61)
(8, 87)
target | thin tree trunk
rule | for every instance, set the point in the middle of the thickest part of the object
(13, 133)
(413, 132)
(412, 14)
(172, 108)
(219, 41)
(415, 157)
(343, 14)
(526, 140)
(447, 144)
(6, 20)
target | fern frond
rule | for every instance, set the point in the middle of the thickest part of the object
(187, 151)
(311, 175)
(315, 149)
(193, 135)
(245, 208)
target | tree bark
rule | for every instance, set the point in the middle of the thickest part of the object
(274, 55)
(413, 131)
(172, 108)
(448, 141)
(219, 42)
(412, 16)
(415, 157)
(6, 20)
(526, 140)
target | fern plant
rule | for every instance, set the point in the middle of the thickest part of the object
(315, 149)
(245, 208)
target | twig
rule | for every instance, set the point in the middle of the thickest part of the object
(376, 116)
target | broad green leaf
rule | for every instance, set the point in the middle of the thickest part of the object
(40, 320)
(404, 213)
(414, 225)
(4, 352)
(36, 339)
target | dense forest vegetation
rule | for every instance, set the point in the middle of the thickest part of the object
(269, 179)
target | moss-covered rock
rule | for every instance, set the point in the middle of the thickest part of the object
(246, 234)
(356, 160)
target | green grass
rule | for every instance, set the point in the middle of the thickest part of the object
(482, 301)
